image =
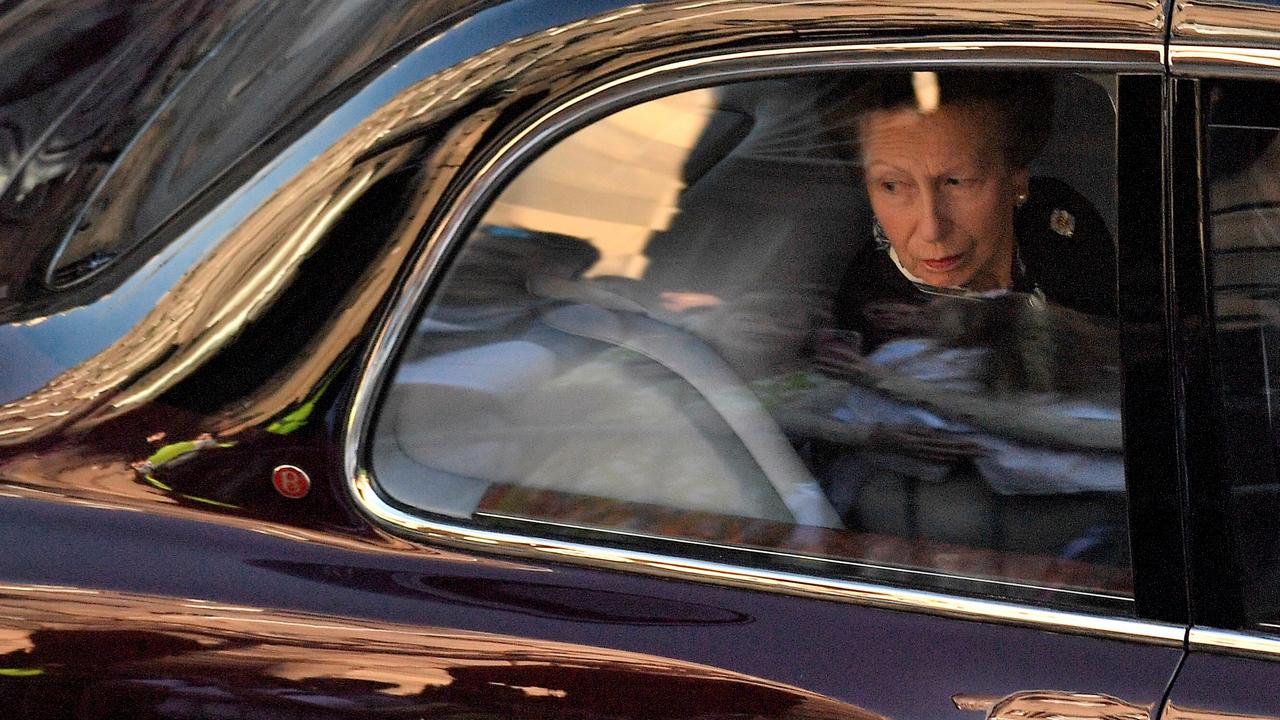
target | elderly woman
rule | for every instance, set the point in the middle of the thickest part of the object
(946, 163)
(983, 309)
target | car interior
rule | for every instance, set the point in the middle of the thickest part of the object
(528, 370)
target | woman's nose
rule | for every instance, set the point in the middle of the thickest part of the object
(932, 222)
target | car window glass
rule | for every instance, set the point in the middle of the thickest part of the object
(1243, 171)
(861, 325)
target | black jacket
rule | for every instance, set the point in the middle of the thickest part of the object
(1064, 251)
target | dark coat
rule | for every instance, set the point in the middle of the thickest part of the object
(1065, 252)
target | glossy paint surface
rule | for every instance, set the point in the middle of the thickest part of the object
(1214, 686)
(226, 266)
(83, 78)
(1217, 22)
(214, 582)
(66, 652)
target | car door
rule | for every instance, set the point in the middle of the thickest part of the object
(483, 389)
(565, 378)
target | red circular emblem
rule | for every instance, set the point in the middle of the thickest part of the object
(291, 481)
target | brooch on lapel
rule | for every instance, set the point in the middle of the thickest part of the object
(1062, 222)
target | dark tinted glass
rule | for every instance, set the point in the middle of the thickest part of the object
(1243, 171)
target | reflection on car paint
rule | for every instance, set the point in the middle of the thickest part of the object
(1043, 703)
(534, 598)
(180, 658)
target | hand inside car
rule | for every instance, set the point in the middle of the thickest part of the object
(838, 358)
(923, 443)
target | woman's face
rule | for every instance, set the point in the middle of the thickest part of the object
(943, 191)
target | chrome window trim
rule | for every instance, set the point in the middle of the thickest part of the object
(593, 102)
(793, 555)
(790, 583)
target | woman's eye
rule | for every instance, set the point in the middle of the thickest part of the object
(890, 186)
(960, 182)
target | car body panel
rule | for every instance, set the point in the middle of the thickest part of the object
(104, 654)
(1212, 685)
(200, 591)
(86, 77)
(1212, 22)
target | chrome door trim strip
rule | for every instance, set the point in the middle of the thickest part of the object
(1234, 642)
(670, 77)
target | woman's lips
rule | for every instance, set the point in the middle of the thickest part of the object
(943, 264)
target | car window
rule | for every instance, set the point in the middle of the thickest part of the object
(1243, 171)
(860, 324)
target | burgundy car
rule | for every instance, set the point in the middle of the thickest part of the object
(514, 358)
